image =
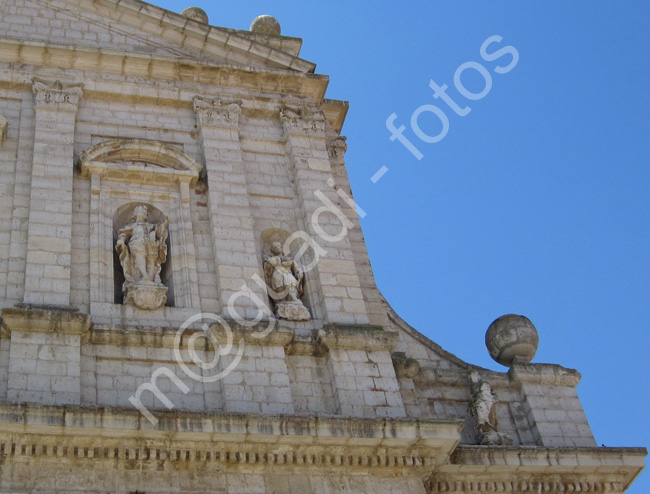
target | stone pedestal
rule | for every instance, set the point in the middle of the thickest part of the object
(145, 296)
(363, 375)
(255, 375)
(554, 411)
(45, 354)
(293, 311)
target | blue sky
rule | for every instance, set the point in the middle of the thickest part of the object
(536, 202)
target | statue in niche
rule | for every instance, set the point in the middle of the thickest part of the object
(484, 411)
(284, 280)
(142, 249)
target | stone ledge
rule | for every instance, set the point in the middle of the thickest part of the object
(369, 338)
(45, 319)
(91, 432)
(162, 337)
(546, 374)
(538, 469)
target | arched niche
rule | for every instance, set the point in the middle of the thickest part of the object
(124, 173)
(122, 217)
(271, 235)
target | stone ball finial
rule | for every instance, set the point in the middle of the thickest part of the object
(266, 24)
(196, 14)
(512, 338)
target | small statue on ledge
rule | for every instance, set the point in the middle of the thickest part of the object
(484, 411)
(284, 280)
(142, 249)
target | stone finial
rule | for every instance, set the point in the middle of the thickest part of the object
(512, 338)
(217, 112)
(56, 95)
(196, 14)
(266, 24)
(303, 121)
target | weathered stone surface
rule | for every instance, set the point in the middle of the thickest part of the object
(266, 24)
(196, 14)
(227, 139)
(512, 337)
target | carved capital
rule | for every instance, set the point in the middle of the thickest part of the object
(336, 148)
(56, 95)
(217, 112)
(303, 121)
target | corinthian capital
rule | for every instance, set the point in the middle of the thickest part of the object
(303, 121)
(56, 95)
(217, 112)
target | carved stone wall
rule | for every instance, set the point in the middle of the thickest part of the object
(227, 134)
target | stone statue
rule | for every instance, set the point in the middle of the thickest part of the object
(484, 411)
(142, 249)
(284, 281)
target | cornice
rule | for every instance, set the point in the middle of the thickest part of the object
(535, 469)
(184, 69)
(190, 34)
(45, 319)
(407, 446)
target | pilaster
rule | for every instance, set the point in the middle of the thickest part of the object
(551, 402)
(333, 282)
(255, 374)
(233, 238)
(363, 375)
(44, 355)
(47, 270)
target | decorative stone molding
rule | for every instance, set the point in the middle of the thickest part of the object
(56, 95)
(45, 319)
(518, 469)
(336, 148)
(518, 486)
(371, 338)
(303, 121)
(405, 366)
(217, 112)
(256, 335)
(164, 337)
(106, 160)
(394, 446)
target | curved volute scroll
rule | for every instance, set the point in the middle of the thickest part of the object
(128, 160)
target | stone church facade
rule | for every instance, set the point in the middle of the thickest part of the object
(187, 300)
